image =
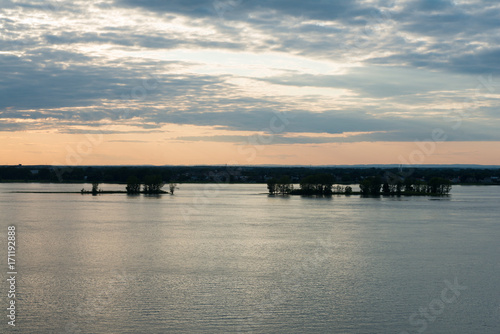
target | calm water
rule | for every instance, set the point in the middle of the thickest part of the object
(232, 259)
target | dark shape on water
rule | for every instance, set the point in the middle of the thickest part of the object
(322, 185)
(133, 185)
(370, 185)
(95, 188)
(282, 186)
(153, 184)
(316, 184)
(172, 186)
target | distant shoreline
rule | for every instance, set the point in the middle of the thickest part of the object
(342, 175)
(122, 183)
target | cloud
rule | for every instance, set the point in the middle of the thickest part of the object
(481, 62)
(378, 81)
(194, 8)
(321, 10)
(390, 71)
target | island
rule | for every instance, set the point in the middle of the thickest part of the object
(152, 185)
(392, 185)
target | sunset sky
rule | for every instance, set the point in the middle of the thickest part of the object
(249, 82)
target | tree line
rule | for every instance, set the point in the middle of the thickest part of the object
(152, 184)
(323, 184)
(238, 174)
(411, 186)
(316, 184)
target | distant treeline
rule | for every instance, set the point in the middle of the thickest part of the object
(231, 174)
(410, 186)
(317, 184)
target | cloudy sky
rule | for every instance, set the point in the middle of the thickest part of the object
(249, 82)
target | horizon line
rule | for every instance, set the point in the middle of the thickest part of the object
(273, 165)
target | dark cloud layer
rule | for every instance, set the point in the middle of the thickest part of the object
(320, 10)
(462, 38)
(410, 63)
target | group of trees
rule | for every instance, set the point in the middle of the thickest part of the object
(438, 186)
(95, 189)
(338, 189)
(152, 184)
(370, 185)
(281, 186)
(375, 186)
(323, 185)
(316, 184)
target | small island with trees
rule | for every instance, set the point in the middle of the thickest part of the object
(152, 185)
(323, 185)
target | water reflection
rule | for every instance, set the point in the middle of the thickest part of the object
(234, 260)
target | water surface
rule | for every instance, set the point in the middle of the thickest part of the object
(231, 259)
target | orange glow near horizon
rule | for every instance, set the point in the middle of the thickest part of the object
(162, 148)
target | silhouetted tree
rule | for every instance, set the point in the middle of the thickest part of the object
(95, 188)
(284, 185)
(133, 185)
(386, 189)
(172, 187)
(408, 185)
(438, 185)
(419, 186)
(153, 184)
(399, 187)
(348, 190)
(370, 185)
(364, 186)
(338, 189)
(272, 186)
(317, 184)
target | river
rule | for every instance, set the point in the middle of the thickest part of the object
(229, 258)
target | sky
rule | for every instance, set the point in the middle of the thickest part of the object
(249, 82)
